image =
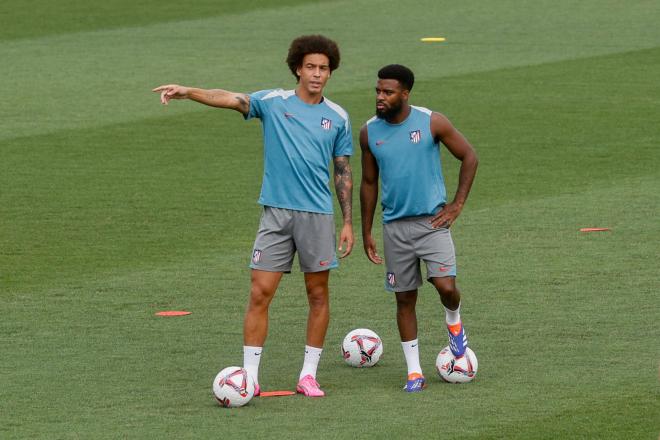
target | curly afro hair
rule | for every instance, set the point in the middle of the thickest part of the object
(307, 44)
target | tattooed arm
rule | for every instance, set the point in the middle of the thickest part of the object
(213, 97)
(344, 190)
(344, 187)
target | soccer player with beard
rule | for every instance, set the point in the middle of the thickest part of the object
(401, 146)
(303, 132)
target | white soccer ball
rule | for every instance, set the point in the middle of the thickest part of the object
(362, 348)
(233, 387)
(456, 370)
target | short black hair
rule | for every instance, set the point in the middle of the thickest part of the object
(307, 44)
(400, 73)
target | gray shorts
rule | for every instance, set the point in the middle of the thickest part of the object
(409, 241)
(282, 232)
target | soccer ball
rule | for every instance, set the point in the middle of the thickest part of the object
(456, 370)
(233, 387)
(362, 348)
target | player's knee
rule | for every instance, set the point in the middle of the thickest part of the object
(405, 304)
(317, 297)
(450, 296)
(446, 287)
(447, 291)
(260, 296)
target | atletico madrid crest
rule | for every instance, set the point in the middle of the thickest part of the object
(391, 279)
(415, 136)
(326, 123)
(256, 256)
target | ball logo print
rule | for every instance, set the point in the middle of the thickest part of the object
(362, 348)
(233, 387)
(366, 353)
(232, 379)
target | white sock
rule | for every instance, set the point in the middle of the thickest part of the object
(411, 352)
(453, 316)
(312, 358)
(251, 359)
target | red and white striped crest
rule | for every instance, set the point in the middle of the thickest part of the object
(326, 124)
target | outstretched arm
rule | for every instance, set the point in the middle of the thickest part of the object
(213, 97)
(445, 132)
(368, 196)
(344, 190)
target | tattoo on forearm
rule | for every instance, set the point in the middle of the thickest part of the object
(344, 187)
(244, 103)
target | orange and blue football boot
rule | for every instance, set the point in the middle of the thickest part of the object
(457, 339)
(415, 383)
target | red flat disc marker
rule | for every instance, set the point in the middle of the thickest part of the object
(173, 313)
(594, 229)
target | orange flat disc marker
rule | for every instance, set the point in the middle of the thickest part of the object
(276, 393)
(173, 313)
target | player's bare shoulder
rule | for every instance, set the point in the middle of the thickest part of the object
(439, 120)
(364, 137)
(441, 126)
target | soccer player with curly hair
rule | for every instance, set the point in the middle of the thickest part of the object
(303, 132)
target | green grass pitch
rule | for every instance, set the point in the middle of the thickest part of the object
(113, 207)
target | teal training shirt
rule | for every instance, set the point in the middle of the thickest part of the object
(300, 140)
(409, 165)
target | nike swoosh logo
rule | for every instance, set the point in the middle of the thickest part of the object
(415, 345)
(324, 263)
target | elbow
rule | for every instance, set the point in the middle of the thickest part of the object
(369, 179)
(368, 190)
(472, 159)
